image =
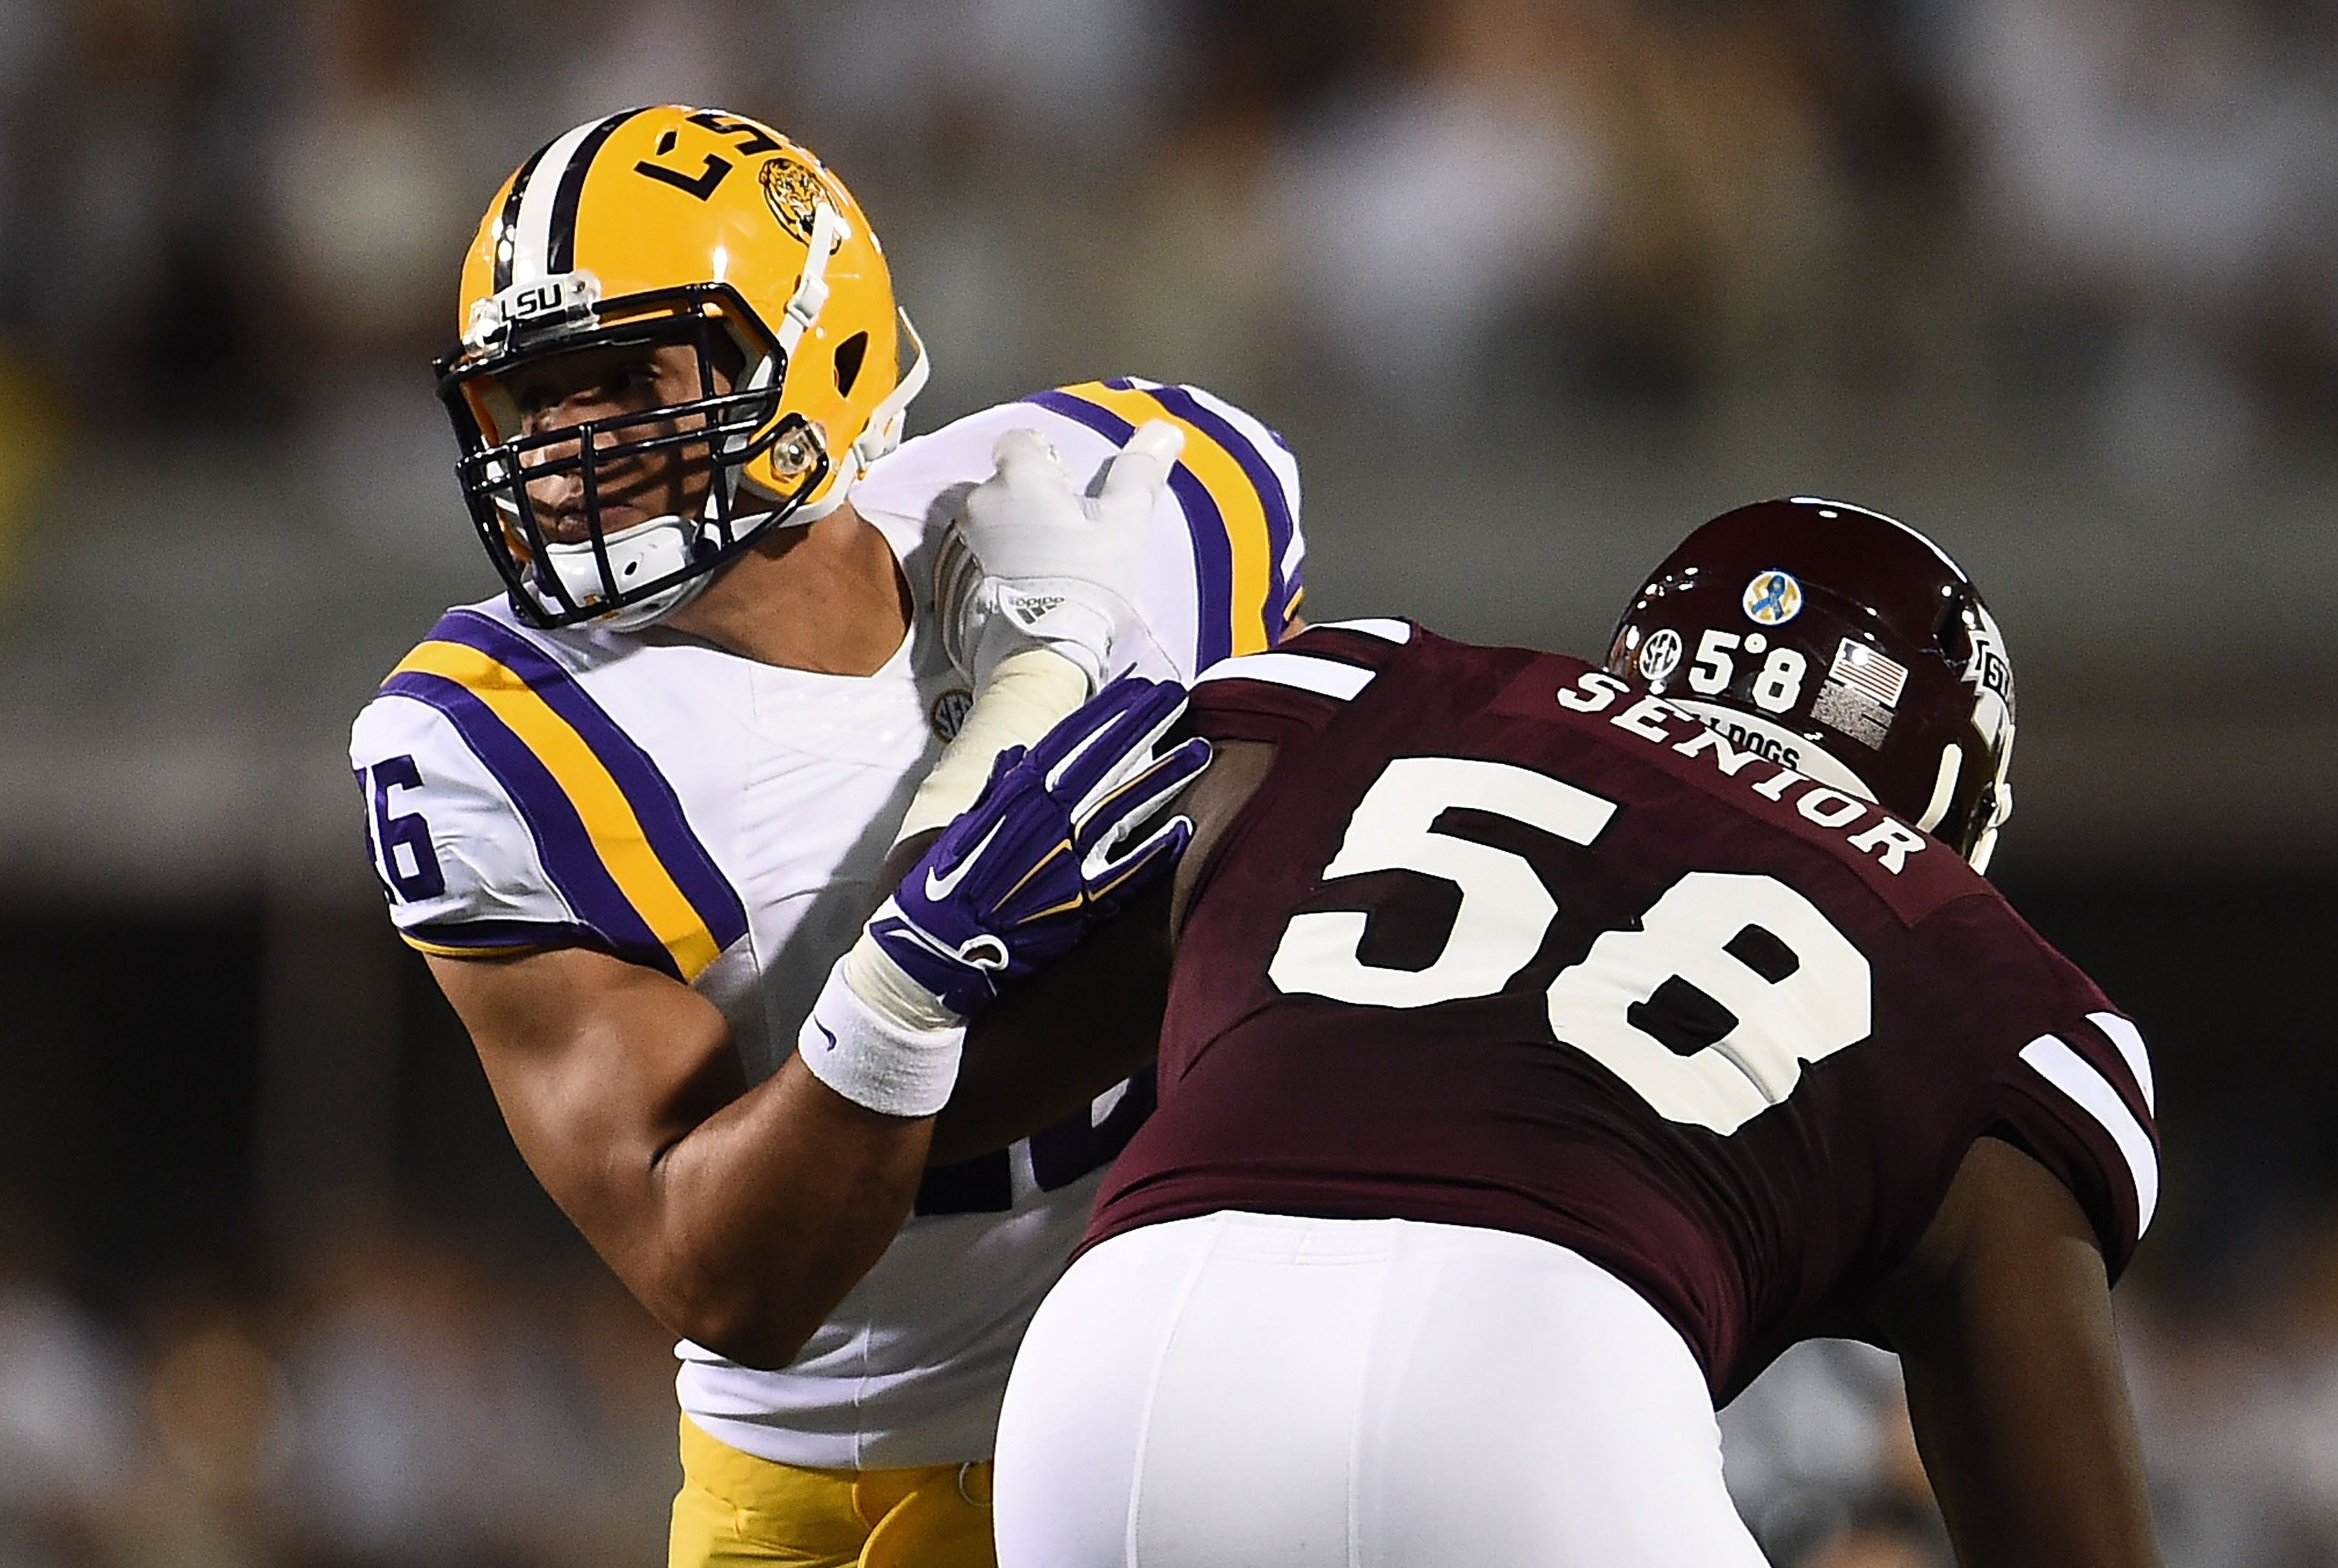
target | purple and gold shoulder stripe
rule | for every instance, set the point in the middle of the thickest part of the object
(608, 827)
(1248, 552)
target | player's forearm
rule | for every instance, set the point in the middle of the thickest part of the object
(1065, 1037)
(2003, 1324)
(761, 1217)
(2022, 1487)
(1018, 701)
(737, 1214)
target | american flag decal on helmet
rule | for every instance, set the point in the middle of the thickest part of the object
(1865, 670)
(1860, 694)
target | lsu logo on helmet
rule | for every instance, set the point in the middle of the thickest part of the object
(794, 193)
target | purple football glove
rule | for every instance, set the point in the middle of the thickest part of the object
(1039, 858)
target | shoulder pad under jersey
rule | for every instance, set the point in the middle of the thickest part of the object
(1301, 686)
(1223, 569)
(2078, 1092)
(506, 809)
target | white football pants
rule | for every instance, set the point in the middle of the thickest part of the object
(1253, 1391)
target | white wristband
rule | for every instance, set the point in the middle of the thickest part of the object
(1026, 696)
(867, 1050)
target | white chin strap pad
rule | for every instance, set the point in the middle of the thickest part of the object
(640, 553)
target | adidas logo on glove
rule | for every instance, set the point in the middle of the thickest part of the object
(1034, 608)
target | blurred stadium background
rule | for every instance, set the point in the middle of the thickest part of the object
(1531, 285)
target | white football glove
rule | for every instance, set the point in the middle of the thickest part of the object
(1032, 561)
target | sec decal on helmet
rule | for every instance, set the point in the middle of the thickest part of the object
(672, 226)
(1842, 644)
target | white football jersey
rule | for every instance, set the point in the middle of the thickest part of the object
(723, 821)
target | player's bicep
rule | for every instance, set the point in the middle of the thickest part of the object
(600, 1066)
(2003, 1324)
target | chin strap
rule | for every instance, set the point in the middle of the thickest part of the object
(883, 431)
(830, 229)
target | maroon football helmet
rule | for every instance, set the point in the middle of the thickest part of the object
(1842, 644)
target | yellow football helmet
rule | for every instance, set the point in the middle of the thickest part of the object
(672, 225)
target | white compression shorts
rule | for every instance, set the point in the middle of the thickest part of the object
(1248, 1389)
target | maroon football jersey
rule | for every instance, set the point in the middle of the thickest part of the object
(1502, 941)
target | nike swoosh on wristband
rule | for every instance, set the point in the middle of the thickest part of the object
(939, 888)
(826, 1031)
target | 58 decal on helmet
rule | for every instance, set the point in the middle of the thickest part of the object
(632, 234)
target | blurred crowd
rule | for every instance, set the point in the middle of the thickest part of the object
(229, 237)
(388, 1398)
(401, 1396)
(246, 213)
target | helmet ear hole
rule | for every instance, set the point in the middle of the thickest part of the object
(1950, 638)
(849, 355)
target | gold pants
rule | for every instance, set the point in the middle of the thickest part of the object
(734, 1508)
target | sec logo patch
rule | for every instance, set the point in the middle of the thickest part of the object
(1773, 599)
(949, 711)
(1660, 656)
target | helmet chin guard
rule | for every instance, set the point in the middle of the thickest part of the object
(662, 549)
